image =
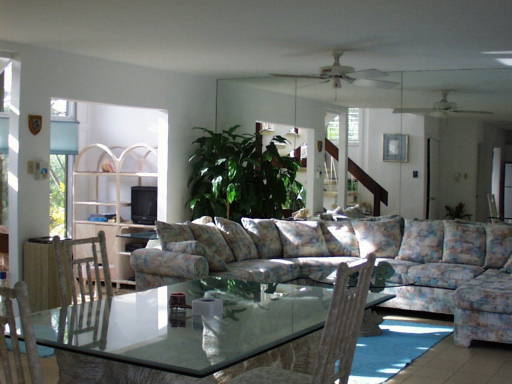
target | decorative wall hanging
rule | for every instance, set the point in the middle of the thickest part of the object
(35, 123)
(395, 147)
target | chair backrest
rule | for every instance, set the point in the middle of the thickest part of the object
(82, 277)
(339, 336)
(11, 361)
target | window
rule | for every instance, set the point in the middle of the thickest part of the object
(353, 126)
(354, 118)
(5, 85)
(58, 194)
(4, 190)
(63, 109)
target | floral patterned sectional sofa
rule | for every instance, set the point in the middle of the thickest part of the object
(443, 266)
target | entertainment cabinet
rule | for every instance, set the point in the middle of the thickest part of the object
(114, 171)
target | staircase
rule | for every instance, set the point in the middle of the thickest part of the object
(297, 148)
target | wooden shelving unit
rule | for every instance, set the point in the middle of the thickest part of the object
(110, 165)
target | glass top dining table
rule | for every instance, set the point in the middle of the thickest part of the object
(139, 328)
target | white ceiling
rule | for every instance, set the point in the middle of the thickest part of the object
(242, 37)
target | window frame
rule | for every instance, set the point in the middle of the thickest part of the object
(70, 111)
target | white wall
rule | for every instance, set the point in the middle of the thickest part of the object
(189, 100)
(459, 139)
(406, 195)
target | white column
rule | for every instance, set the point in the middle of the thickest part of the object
(342, 159)
(163, 170)
(315, 170)
(28, 196)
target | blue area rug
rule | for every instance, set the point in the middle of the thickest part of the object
(41, 350)
(380, 357)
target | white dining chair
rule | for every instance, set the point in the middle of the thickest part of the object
(12, 361)
(339, 336)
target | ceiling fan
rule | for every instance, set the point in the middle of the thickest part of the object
(339, 74)
(441, 108)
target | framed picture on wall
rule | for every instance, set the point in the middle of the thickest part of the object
(395, 147)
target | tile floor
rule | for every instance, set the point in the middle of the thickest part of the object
(483, 363)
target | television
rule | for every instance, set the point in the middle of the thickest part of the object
(144, 203)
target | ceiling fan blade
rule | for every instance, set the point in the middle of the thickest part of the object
(421, 111)
(374, 83)
(367, 74)
(474, 112)
(297, 76)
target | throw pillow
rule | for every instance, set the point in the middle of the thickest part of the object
(498, 245)
(422, 241)
(302, 238)
(170, 233)
(464, 243)
(209, 236)
(215, 264)
(237, 238)
(203, 220)
(340, 238)
(380, 237)
(265, 235)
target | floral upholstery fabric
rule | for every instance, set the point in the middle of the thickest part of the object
(155, 261)
(237, 238)
(416, 298)
(401, 268)
(302, 238)
(319, 268)
(379, 237)
(194, 247)
(422, 241)
(173, 232)
(489, 292)
(508, 267)
(464, 243)
(262, 271)
(442, 275)
(475, 325)
(340, 238)
(211, 238)
(150, 280)
(498, 245)
(265, 235)
(203, 220)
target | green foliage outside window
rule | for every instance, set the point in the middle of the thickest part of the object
(58, 194)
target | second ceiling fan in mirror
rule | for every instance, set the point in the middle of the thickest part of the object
(341, 74)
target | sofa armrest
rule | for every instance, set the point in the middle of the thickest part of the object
(166, 263)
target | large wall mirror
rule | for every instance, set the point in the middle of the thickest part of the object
(432, 139)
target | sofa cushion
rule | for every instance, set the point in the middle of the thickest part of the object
(442, 275)
(400, 267)
(422, 241)
(318, 268)
(380, 237)
(489, 292)
(173, 232)
(166, 263)
(211, 238)
(340, 238)
(237, 238)
(265, 235)
(262, 271)
(194, 247)
(302, 238)
(464, 243)
(203, 220)
(498, 245)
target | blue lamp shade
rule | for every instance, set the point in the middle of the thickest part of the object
(63, 137)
